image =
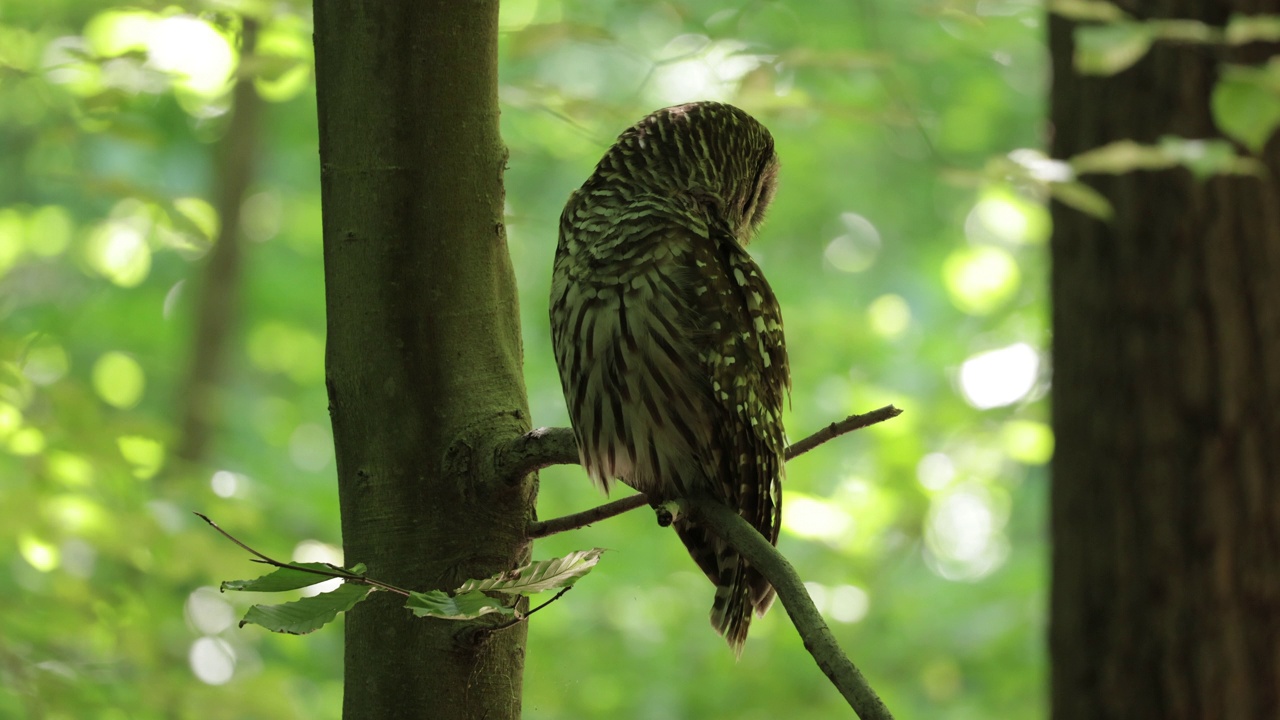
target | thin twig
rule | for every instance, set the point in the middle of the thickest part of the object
(818, 639)
(513, 621)
(586, 517)
(335, 572)
(626, 504)
(836, 429)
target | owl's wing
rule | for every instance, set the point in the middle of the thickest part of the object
(627, 349)
(746, 358)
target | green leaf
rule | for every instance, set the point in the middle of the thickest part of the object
(308, 614)
(540, 576)
(464, 606)
(282, 579)
(1206, 158)
(1087, 10)
(1245, 29)
(1246, 104)
(1108, 49)
(1077, 195)
(1202, 157)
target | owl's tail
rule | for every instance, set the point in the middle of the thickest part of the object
(740, 589)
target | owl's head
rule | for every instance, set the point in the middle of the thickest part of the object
(710, 152)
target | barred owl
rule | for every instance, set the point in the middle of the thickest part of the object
(668, 339)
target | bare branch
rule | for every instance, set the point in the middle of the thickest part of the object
(586, 517)
(333, 572)
(536, 449)
(818, 639)
(836, 429)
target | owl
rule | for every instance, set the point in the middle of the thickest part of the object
(669, 340)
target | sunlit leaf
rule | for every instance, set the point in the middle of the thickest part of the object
(1087, 10)
(283, 579)
(1245, 29)
(1203, 157)
(1246, 104)
(1080, 196)
(1108, 49)
(308, 614)
(539, 576)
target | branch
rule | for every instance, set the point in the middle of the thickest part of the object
(333, 572)
(534, 450)
(556, 446)
(818, 639)
(836, 429)
(586, 517)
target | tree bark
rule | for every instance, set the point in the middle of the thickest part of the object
(1166, 495)
(424, 353)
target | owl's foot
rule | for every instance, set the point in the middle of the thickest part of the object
(668, 512)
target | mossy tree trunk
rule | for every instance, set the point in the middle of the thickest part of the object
(1166, 496)
(424, 354)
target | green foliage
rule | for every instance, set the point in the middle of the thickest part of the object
(1246, 100)
(906, 246)
(308, 614)
(464, 606)
(294, 577)
(540, 576)
(1246, 103)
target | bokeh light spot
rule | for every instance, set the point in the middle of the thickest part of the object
(814, 518)
(69, 469)
(963, 534)
(11, 238)
(979, 279)
(855, 249)
(27, 442)
(200, 57)
(212, 660)
(848, 604)
(10, 420)
(208, 612)
(889, 316)
(118, 379)
(44, 362)
(1027, 441)
(145, 454)
(39, 554)
(224, 483)
(935, 471)
(311, 447)
(49, 231)
(118, 251)
(999, 377)
(1001, 215)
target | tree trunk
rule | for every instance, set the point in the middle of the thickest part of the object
(424, 354)
(1166, 495)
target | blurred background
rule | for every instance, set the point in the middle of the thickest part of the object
(162, 338)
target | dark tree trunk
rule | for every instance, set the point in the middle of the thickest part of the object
(1166, 496)
(424, 355)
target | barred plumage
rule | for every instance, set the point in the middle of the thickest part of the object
(668, 339)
